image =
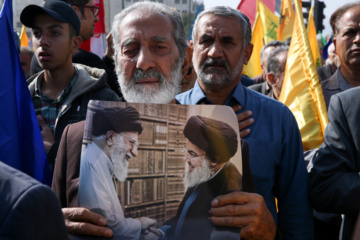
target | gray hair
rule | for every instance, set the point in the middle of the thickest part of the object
(335, 17)
(273, 61)
(179, 31)
(274, 43)
(228, 12)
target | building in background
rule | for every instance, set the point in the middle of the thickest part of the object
(112, 7)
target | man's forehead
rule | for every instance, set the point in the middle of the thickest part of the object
(147, 25)
(211, 24)
(351, 16)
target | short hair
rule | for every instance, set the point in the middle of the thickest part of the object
(77, 3)
(175, 17)
(335, 17)
(228, 12)
(275, 43)
(273, 61)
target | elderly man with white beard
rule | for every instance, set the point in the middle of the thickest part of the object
(115, 132)
(209, 173)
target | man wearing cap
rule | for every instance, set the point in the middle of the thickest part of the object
(61, 92)
(209, 173)
(88, 15)
(115, 140)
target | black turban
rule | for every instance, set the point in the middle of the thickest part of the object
(216, 138)
(116, 119)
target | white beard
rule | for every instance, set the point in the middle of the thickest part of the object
(118, 158)
(163, 93)
(198, 175)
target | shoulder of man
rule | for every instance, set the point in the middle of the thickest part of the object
(29, 205)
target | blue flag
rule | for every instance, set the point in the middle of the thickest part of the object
(325, 49)
(21, 144)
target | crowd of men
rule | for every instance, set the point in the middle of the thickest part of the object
(148, 60)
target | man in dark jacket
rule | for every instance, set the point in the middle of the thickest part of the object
(335, 182)
(88, 15)
(61, 92)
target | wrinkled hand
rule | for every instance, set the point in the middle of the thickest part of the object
(109, 46)
(46, 134)
(147, 222)
(84, 222)
(244, 120)
(245, 210)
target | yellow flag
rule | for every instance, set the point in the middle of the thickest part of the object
(287, 17)
(311, 31)
(253, 68)
(23, 37)
(301, 90)
(269, 21)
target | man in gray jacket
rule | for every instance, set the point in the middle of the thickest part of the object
(61, 92)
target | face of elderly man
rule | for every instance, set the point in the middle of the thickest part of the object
(123, 146)
(197, 166)
(219, 55)
(347, 41)
(148, 63)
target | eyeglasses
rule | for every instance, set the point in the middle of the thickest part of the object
(192, 155)
(133, 142)
(94, 9)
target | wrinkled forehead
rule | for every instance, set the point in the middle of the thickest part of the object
(145, 25)
(211, 24)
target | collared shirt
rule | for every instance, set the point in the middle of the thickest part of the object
(276, 158)
(47, 107)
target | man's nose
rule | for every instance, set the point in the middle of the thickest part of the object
(134, 151)
(145, 59)
(215, 50)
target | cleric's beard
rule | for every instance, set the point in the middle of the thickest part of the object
(162, 93)
(198, 175)
(118, 158)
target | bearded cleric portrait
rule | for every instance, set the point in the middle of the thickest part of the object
(208, 173)
(104, 161)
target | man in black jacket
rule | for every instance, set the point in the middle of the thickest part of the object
(61, 92)
(87, 13)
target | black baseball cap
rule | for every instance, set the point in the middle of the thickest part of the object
(59, 10)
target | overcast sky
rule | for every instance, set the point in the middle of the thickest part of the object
(331, 6)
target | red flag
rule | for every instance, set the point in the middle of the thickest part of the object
(248, 7)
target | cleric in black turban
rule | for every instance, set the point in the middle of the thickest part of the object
(116, 119)
(218, 139)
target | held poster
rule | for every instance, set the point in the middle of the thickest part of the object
(152, 170)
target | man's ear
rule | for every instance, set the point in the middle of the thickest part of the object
(77, 10)
(110, 135)
(271, 78)
(76, 44)
(187, 61)
(247, 53)
(334, 41)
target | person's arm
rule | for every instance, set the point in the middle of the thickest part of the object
(335, 181)
(295, 219)
(245, 210)
(36, 214)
